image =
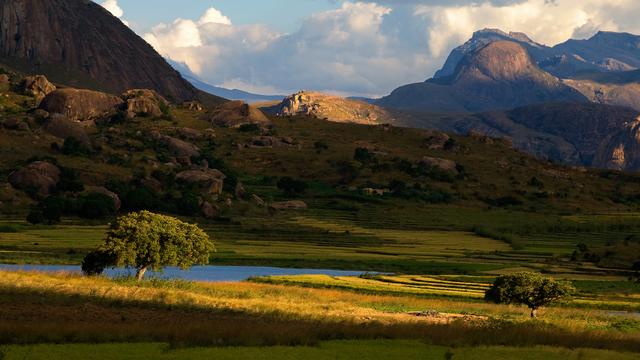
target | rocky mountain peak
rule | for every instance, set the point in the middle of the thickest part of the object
(499, 61)
(78, 43)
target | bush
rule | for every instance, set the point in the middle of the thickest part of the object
(96, 206)
(73, 146)
(35, 216)
(320, 146)
(291, 187)
(364, 156)
(249, 128)
(136, 199)
(69, 181)
(189, 204)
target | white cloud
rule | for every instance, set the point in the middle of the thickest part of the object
(114, 8)
(370, 47)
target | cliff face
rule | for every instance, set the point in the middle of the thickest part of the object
(78, 43)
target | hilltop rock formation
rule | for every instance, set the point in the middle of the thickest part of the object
(40, 176)
(500, 75)
(234, 114)
(609, 93)
(79, 43)
(332, 108)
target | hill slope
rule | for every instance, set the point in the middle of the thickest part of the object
(79, 43)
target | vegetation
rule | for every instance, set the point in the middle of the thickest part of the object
(531, 289)
(146, 240)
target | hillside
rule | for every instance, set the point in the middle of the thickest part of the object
(79, 43)
(500, 75)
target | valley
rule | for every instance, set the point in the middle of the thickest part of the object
(491, 211)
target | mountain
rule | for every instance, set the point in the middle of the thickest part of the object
(332, 108)
(585, 134)
(79, 43)
(604, 52)
(499, 75)
(231, 94)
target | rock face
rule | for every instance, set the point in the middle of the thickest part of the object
(332, 108)
(144, 102)
(500, 75)
(609, 93)
(40, 176)
(178, 147)
(79, 43)
(37, 86)
(234, 114)
(210, 180)
(80, 104)
(621, 150)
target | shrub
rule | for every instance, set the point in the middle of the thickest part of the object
(320, 146)
(96, 206)
(291, 187)
(364, 156)
(249, 128)
(73, 146)
(35, 216)
(69, 181)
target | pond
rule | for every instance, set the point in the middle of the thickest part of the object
(197, 273)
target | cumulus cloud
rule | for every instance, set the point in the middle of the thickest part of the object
(114, 8)
(370, 47)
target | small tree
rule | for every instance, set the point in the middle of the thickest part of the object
(144, 240)
(291, 187)
(531, 289)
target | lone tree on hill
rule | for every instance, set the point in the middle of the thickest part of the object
(144, 240)
(531, 289)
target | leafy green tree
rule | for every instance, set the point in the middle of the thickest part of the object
(527, 288)
(144, 240)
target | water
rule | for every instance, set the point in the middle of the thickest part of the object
(197, 273)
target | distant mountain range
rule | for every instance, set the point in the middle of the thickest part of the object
(498, 70)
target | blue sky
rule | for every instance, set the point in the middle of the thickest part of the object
(347, 47)
(285, 15)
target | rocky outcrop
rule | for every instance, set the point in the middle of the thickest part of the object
(176, 146)
(210, 180)
(40, 177)
(145, 103)
(63, 128)
(332, 108)
(79, 43)
(620, 150)
(37, 86)
(209, 211)
(442, 164)
(234, 114)
(80, 104)
(288, 205)
(106, 192)
(435, 140)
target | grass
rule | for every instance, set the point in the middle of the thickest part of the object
(379, 349)
(40, 308)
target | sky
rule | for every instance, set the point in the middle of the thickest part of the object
(359, 48)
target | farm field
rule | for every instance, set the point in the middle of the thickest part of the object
(380, 349)
(54, 308)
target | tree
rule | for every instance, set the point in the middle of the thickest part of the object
(291, 187)
(527, 288)
(144, 240)
(636, 271)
